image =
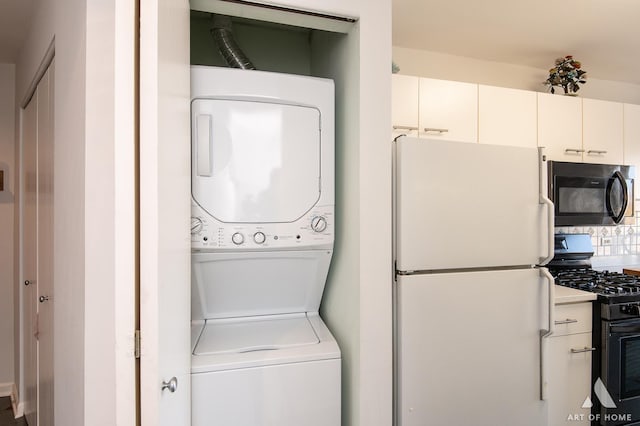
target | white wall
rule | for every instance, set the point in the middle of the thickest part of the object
(7, 200)
(450, 67)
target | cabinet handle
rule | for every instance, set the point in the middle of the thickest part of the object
(566, 321)
(596, 152)
(574, 150)
(27, 282)
(585, 349)
(409, 128)
(434, 130)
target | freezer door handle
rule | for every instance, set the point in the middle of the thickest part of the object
(545, 334)
(544, 199)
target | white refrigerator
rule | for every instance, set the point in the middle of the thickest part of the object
(473, 307)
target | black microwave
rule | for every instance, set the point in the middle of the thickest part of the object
(591, 194)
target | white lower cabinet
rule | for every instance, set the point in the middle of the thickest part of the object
(570, 365)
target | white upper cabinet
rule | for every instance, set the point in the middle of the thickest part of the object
(631, 134)
(560, 127)
(448, 110)
(507, 116)
(602, 125)
(404, 104)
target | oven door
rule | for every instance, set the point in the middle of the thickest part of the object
(591, 194)
(621, 372)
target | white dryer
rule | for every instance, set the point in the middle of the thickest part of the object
(262, 240)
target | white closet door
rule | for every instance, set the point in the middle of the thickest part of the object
(29, 386)
(164, 213)
(45, 249)
(37, 254)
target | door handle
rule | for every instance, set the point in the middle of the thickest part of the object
(585, 349)
(566, 321)
(625, 197)
(43, 299)
(171, 385)
(574, 150)
(435, 130)
(545, 334)
(544, 199)
(408, 128)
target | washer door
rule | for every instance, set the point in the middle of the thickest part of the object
(254, 161)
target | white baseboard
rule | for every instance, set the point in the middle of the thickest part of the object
(10, 390)
(18, 410)
(6, 389)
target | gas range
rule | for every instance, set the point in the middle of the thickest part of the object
(618, 294)
(615, 327)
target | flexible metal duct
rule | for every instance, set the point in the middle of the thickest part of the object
(223, 36)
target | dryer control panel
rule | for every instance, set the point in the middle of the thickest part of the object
(314, 230)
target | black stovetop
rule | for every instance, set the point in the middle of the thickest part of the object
(612, 287)
(571, 267)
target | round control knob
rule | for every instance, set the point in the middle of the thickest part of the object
(318, 223)
(237, 238)
(259, 237)
(196, 225)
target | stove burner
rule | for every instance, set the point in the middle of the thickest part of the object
(604, 283)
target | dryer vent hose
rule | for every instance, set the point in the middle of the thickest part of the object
(223, 36)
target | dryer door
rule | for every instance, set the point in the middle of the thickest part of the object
(254, 161)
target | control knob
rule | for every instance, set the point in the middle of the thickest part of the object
(237, 238)
(319, 223)
(633, 309)
(196, 225)
(259, 237)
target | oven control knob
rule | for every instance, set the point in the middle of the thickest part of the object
(237, 238)
(319, 223)
(259, 237)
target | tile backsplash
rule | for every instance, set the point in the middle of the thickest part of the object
(610, 240)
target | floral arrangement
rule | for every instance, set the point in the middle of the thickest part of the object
(567, 74)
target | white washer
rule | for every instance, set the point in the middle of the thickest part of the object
(262, 240)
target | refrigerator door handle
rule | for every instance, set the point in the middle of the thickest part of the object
(544, 199)
(545, 334)
(625, 197)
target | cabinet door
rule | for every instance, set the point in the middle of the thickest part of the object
(569, 379)
(602, 131)
(631, 134)
(404, 104)
(448, 110)
(507, 116)
(560, 127)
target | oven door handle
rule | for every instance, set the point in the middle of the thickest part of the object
(625, 197)
(620, 328)
(545, 334)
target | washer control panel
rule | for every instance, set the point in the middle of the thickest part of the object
(316, 228)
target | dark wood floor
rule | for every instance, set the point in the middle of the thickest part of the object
(6, 414)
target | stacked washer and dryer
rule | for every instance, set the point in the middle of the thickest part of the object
(262, 237)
